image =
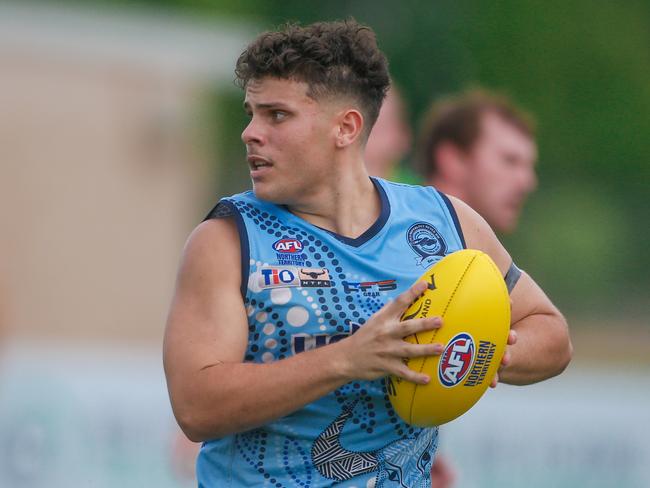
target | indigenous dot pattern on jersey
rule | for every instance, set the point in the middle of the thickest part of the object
(303, 288)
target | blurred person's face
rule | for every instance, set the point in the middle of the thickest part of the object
(289, 139)
(390, 138)
(500, 172)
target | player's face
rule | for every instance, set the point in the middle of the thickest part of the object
(289, 140)
(502, 172)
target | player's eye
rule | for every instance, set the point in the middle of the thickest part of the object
(278, 115)
(511, 160)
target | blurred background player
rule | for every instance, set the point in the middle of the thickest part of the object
(390, 140)
(477, 146)
(480, 147)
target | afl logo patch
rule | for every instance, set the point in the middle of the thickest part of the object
(289, 246)
(456, 360)
(427, 243)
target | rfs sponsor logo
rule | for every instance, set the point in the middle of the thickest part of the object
(278, 277)
(456, 361)
(289, 246)
(366, 286)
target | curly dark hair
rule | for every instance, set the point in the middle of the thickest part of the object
(334, 58)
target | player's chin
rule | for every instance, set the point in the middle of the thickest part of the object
(507, 221)
(508, 226)
(266, 191)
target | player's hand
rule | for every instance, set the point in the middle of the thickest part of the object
(512, 340)
(378, 348)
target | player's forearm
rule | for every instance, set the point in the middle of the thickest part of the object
(233, 397)
(543, 349)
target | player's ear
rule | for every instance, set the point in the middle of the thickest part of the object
(450, 162)
(350, 125)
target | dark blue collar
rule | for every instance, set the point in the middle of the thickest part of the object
(374, 229)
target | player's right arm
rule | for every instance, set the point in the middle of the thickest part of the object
(214, 393)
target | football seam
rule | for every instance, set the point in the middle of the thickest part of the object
(433, 336)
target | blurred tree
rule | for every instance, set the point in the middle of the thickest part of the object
(582, 67)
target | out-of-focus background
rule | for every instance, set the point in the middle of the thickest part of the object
(119, 128)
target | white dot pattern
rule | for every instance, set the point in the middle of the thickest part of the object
(297, 316)
(280, 296)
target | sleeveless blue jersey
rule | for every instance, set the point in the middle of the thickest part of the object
(306, 287)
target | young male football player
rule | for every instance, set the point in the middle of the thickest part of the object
(285, 319)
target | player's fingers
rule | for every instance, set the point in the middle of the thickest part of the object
(402, 302)
(495, 381)
(420, 350)
(414, 326)
(512, 337)
(403, 371)
(505, 360)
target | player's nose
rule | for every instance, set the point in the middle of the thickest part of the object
(252, 133)
(527, 179)
(530, 180)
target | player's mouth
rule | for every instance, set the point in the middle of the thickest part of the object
(258, 165)
(515, 204)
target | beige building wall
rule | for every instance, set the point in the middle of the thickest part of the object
(103, 173)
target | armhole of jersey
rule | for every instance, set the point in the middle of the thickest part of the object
(224, 209)
(512, 276)
(454, 217)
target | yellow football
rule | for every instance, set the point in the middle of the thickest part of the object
(468, 291)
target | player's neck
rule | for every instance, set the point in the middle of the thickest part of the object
(348, 204)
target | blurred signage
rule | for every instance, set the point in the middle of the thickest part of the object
(99, 416)
(86, 416)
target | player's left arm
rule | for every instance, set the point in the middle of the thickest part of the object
(543, 347)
